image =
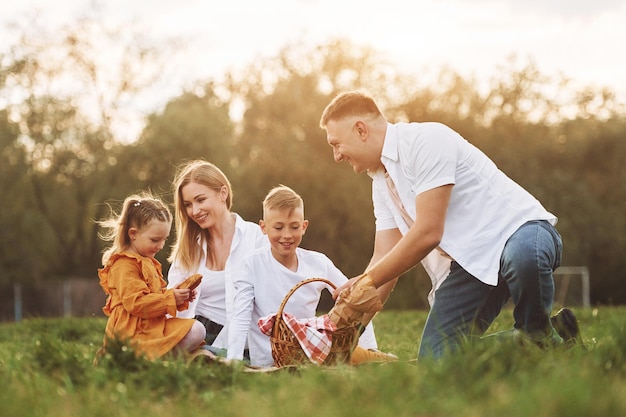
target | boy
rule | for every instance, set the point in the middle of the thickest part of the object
(266, 276)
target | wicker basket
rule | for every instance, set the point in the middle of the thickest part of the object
(286, 349)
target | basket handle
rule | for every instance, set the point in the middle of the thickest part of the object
(279, 313)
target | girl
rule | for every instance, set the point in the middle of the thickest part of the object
(137, 302)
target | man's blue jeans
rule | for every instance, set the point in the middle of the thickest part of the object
(465, 306)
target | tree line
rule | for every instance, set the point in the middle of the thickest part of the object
(64, 162)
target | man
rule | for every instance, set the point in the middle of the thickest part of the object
(440, 201)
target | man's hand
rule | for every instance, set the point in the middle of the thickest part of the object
(348, 284)
(357, 302)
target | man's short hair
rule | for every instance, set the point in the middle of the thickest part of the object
(353, 103)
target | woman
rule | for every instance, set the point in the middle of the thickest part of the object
(210, 240)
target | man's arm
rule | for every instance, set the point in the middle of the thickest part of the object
(384, 242)
(395, 254)
(424, 236)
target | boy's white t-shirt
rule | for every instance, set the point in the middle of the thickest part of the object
(261, 284)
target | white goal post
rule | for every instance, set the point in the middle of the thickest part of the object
(572, 286)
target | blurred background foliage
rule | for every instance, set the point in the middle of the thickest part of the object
(66, 155)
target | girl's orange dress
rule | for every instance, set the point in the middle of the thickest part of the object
(137, 304)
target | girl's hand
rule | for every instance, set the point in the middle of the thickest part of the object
(183, 295)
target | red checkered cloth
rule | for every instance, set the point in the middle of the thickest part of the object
(314, 334)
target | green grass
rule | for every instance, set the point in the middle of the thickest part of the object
(46, 370)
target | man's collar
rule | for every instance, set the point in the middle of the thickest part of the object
(389, 151)
(390, 146)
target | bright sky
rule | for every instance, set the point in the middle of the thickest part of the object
(581, 39)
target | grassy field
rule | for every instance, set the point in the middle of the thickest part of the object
(46, 370)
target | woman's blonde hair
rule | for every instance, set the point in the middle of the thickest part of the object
(138, 210)
(186, 250)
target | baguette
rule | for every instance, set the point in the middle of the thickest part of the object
(191, 282)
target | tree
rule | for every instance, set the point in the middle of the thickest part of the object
(64, 155)
(62, 103)
(281, 142)
(191, 126)
(19, 220)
